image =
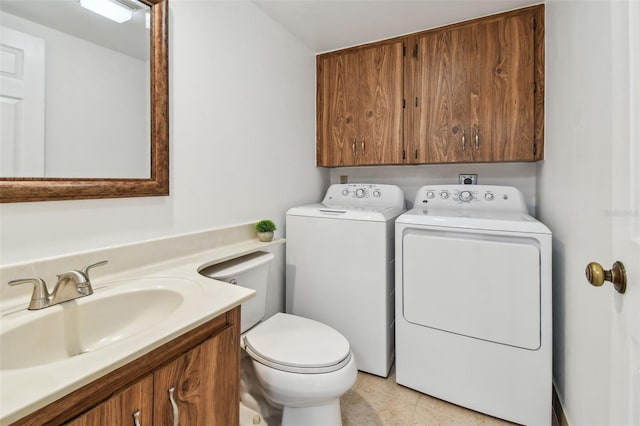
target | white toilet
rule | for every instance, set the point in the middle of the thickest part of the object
(302, 365)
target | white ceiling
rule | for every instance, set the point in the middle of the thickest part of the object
(322, 25)
(325, 25)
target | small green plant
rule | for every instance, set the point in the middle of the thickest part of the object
(265, 226)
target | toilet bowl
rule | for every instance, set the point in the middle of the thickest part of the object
(300, 364)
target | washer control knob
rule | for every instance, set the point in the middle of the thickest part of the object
(465, 196)
(488, 196)
(444, 195)
(430, 195)
(376, 193)
(359, 193)
(345, 192)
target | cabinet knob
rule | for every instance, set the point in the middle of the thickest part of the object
(617, 275)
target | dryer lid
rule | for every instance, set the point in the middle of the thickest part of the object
(297, 344)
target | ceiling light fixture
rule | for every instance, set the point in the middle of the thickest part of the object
(109, 9)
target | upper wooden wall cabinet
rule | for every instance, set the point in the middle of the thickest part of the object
(469, 92)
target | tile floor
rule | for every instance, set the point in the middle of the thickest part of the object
(376, 401)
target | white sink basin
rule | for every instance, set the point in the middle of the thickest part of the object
(115, 312)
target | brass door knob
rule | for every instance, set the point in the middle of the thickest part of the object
(597, 275)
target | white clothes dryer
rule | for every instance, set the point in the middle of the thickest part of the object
(473, 301)
(340, 267)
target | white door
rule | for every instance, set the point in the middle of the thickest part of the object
(22, 83)
(625, 213)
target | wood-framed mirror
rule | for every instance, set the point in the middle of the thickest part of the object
(26, 189)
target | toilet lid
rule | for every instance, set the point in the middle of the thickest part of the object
(296, 344)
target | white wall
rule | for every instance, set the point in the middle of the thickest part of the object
(411, 178)
(574, 184)
(96, 106)
(242, 138)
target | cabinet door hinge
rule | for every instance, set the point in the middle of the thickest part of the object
(415, 51)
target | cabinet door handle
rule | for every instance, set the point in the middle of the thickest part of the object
(136, 418)
(362, 145)
(477, 138)
(353, 146)
(464, 140)
(174, 407)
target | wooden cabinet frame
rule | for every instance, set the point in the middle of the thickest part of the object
(334, 134)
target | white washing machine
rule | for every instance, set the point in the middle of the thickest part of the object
(340, 267)
(473, 301)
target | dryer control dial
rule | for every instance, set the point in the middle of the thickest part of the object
(465, 196)
(360, 193)
(488, 196)
(376, 193)
(430, 195)
(444, 195)
(345, 192)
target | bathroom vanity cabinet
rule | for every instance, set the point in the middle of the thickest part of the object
(195, 376)
(471, 92)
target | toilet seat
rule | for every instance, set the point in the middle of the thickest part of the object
(298, 345)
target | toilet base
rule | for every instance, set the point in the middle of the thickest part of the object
(249, 417)
(320, 415)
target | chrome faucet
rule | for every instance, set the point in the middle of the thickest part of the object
(71, 285)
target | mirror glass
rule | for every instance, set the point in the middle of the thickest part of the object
(75, 91)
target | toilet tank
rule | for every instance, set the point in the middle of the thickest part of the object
(250, 271)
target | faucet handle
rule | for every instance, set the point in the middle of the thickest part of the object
(85, 270)
(40, 296)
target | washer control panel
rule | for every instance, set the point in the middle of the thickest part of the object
(361, 194)
(488, 197)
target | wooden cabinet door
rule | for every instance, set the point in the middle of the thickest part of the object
(359, 107)
(380, 93)
(200, 388)
(439, 110)
(505, 67)
(470, 92)
(121, 409)
(337, 108)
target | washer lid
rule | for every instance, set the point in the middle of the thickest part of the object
(347, 212)
(293, 343)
